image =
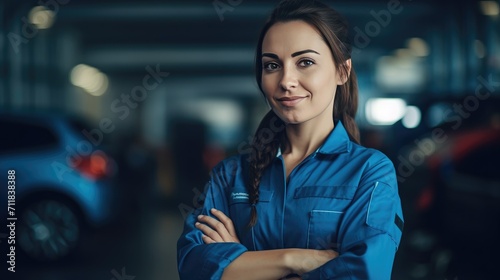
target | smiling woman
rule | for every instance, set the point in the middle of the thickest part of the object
(298, 84)
(308, 201)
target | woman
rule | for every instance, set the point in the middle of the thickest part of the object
(308, 201)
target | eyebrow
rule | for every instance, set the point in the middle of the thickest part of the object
(272, 55)
(303, 52)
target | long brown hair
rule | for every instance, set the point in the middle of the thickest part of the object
(334, 30)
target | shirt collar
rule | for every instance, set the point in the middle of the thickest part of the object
(337, 142)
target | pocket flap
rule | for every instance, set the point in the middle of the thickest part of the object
(339, 192)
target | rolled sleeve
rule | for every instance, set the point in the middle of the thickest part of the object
(197, 260)
(207, 261)
(371, 258)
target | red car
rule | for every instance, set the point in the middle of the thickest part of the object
(461, 204)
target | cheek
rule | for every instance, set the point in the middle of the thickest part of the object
(321, 83)
(267, 86)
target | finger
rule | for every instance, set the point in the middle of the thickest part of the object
(228, 223)
(217, 226)
(331, 254)
(207, 239)
(208, 231)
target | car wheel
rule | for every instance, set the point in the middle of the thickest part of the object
(48, 230)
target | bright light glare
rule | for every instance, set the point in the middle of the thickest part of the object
(90, 79)
(412, 117)
(41, 17)
(402, 72)
(489, 8)
(384, 111)
(418, 46)
(220, 113)
(223, 117)
(403, 53)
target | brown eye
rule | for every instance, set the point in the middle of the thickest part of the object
(271, 66)
(306, 63)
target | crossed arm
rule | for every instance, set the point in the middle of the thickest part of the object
(368, 239)
(267, 264)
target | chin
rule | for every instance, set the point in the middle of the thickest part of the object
(289, 118)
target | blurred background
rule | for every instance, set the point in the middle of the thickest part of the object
(113, 112)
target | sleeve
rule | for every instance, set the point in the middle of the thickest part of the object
(195, 259)
(370, 231)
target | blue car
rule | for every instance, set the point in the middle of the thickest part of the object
(63, 183)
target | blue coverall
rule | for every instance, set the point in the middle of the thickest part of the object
(342, 197)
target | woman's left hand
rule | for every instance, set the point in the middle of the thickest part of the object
(221, 230)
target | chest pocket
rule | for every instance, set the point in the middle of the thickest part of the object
(326, 206)
(240, 209)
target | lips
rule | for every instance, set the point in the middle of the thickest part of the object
(290, 101)
(290, 98)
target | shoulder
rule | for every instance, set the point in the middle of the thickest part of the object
(230, 164)
(370, 154)
(377, 167)
(378, 193)
(230, 169)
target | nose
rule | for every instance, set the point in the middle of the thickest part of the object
(289, 79)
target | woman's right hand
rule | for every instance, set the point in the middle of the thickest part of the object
(217, 230)
(301, 261)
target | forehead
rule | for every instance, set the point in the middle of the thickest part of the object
(292, 36)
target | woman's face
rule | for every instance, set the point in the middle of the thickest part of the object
(299, 78)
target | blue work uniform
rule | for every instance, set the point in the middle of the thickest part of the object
(342, 197)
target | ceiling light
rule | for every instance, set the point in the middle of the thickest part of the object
(412, 117)
(489, 8)
(384, 111)
(90, 79)
(41, 17)
(418, 46)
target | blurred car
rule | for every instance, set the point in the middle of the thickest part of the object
(461, 203)
(449, 113)
(63, 184)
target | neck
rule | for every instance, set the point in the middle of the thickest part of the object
(304, 138)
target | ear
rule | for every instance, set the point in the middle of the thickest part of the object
(341, 78)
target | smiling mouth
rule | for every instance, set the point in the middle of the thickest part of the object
(290, 101)
(290, 98)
